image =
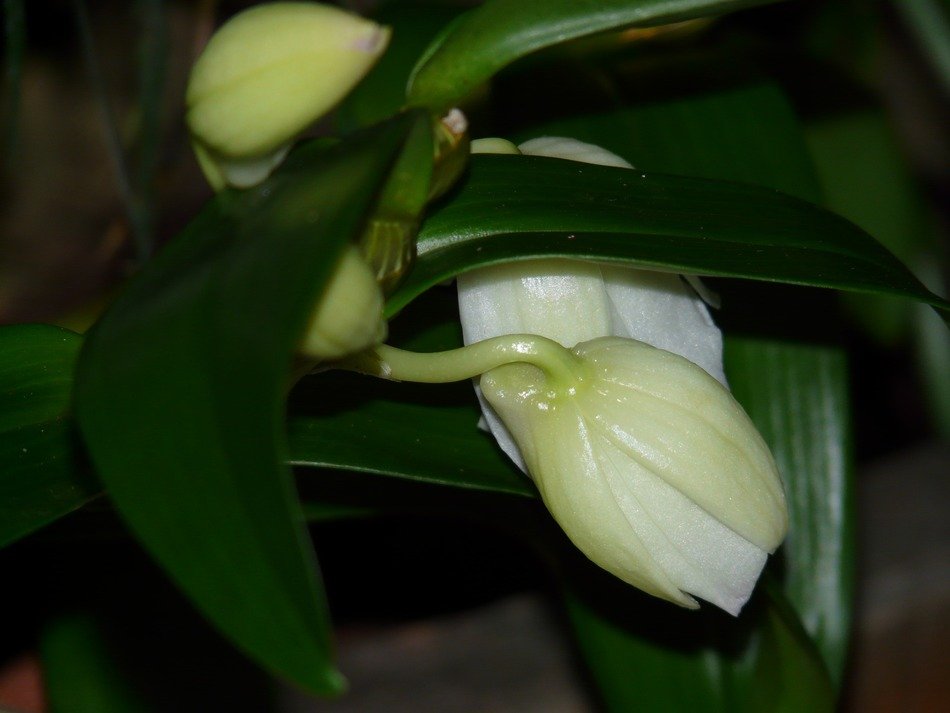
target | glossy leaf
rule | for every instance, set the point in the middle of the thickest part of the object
(645, 655)
(797, 396)
(661, 123)
(80, 672)
(41, 469)
(852, 151)
(929, 22)
(398, 430)
(383, 91)
(515, 207)
(412, 431)
(335, 420)
(180, 396)
(494, 35)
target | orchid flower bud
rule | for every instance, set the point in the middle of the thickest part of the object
(266, 75)
(651, 467)
(349, 316)
(571, 301)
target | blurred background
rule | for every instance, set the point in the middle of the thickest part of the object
(97, 174)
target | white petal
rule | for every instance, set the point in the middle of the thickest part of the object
(661, 310)
(697, 552)
(571, 302)
(562, 300)
(619, 512)
(572, 150)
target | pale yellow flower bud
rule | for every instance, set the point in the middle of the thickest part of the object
(266, 75)
(647, 461)
(349, 316)
(650, 466)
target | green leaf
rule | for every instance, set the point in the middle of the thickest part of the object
(356, 423)
(851, 152)
(342, 421)
(79, 670)
(383, 91)
(797, 396)
(933, 354)
(670, 126)
(180, 396)
(413, 431)
(41, 477)
(649, 655)
(516, 207)
(494, 35)
(929, 22)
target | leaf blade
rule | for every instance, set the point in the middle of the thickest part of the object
(518, 207)
(648, 655)
(796, 394)
(180, 393)
(42, 477)
(494, 35)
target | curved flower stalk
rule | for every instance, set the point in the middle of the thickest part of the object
(655, 473)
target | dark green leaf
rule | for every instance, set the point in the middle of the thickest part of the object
(180, 395)
(429, 434)
(797, 396)
(933, 354)
(649, 655)
(661, 129)
(494, 35)
(929, 21)
(383, 91)
(414, 431)
(80, 671)
(851, 152)
(336, 420)
(516, 207)
(41, 477)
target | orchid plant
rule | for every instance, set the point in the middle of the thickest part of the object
(645, 456)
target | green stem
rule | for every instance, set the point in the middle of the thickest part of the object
(138, 219)
(387, 362)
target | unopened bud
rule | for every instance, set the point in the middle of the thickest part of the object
(650, 466)
(267, 74)
(349, 316)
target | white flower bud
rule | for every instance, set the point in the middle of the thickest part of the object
(349, 316)
(266, 75)
(650, 466)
